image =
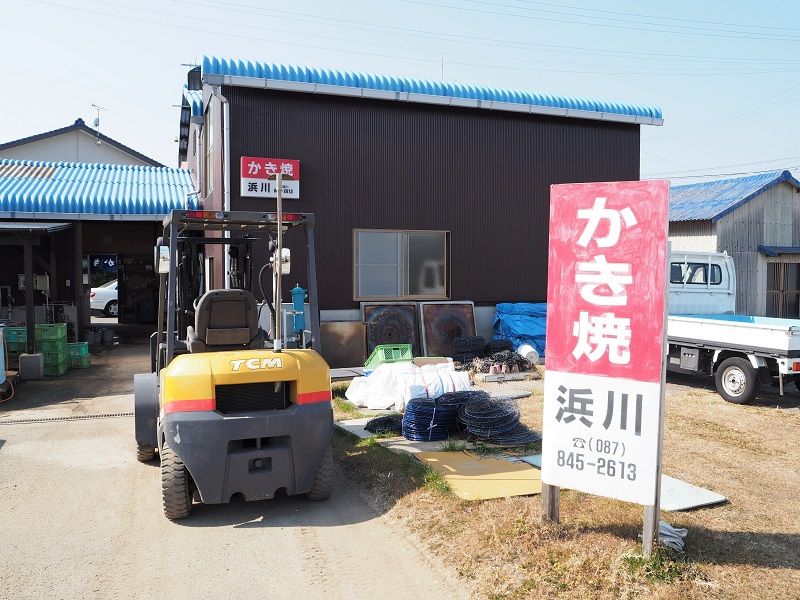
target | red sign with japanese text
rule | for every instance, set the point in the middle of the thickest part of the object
(258, 176)
(606, 276)
(605, 337)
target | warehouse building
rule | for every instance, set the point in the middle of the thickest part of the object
(421, 189)
(755, 219)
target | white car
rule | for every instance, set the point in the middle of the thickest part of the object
(104, 298)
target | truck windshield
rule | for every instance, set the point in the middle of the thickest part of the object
(695, 273)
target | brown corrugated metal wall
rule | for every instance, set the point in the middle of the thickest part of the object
(482, 175)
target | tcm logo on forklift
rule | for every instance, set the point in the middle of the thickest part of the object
(256, 363)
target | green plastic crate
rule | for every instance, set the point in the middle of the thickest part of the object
(55, 370)
(51, 332)
(17, 348)
(389, 353)
(79, 362)
(15, 334)
(78, 349)
(53, 358)
(47, 346)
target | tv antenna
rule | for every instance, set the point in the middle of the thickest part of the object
(96, 123)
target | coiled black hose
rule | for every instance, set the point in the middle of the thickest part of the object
(386, 424)
(428, 420)
(496, 421)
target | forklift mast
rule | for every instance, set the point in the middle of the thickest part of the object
(182, 268)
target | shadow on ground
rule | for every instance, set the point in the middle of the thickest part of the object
(752, 548)
(344, 507)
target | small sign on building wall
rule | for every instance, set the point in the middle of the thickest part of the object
(258, 177)
(605, 338)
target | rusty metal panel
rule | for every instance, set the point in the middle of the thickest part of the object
(484, 176)
(343, 343)
(391, 323)
(442, 323)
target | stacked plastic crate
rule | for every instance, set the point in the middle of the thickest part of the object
(78, 355)
(16, 340)
(51, 341)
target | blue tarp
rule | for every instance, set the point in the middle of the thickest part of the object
(522, 323)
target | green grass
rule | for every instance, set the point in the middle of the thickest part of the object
(435, 481)
(663, 565)
(369, 442)
(452, 445)
(344, 410)
(372, 463)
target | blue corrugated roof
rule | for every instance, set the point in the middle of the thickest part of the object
(272, 71)
(105, 189)
(715, 199)
(195, 100)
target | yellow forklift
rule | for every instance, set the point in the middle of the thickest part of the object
(233, 409)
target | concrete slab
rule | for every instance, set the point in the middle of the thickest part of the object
(397, 444)
(534, 460)
(498, 390)
(355, 427)
(346, 374)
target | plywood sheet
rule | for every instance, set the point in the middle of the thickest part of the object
(391, 324)
(343, 343)
(442, 323)
(474, 478)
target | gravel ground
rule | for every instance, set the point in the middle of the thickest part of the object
(81, 518)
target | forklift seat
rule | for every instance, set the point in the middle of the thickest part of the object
(225, 320)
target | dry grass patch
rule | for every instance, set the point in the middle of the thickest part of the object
(748, 548)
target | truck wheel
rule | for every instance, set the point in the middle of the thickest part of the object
(737, 380)
(175, 492)
(323, 480)
(145, 454)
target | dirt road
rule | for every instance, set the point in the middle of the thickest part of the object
(81, 518)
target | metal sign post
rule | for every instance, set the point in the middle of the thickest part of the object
(604, 387)
(278, 267)
(652, 514)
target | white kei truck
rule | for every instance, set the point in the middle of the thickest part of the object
(706, 337)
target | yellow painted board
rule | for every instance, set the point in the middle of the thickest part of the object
(473, 478)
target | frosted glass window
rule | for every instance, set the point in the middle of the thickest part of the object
(398, 265)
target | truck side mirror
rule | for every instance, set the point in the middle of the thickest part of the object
(161, 259)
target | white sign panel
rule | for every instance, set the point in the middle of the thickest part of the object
(599, 435)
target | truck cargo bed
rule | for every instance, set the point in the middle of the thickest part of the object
(760, 335)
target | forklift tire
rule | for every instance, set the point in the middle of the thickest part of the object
(144, 454)
(175, 492)
(323, 480)
(737, 380)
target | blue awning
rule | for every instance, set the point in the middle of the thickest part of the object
(773, 251)
(62, 188)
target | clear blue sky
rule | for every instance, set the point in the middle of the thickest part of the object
(725, 74)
